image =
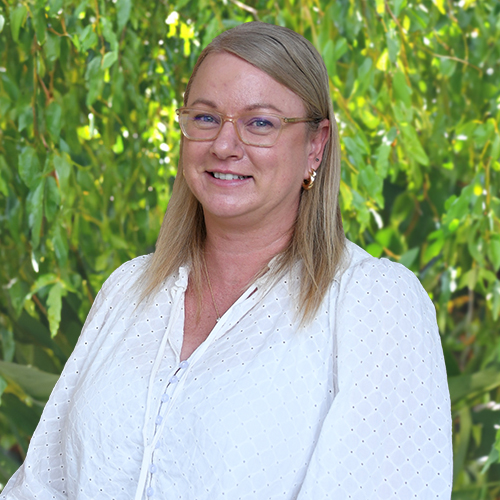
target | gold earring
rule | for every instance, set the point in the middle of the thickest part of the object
(308, 183)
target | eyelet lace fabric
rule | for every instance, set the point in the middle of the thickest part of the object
(353, 406)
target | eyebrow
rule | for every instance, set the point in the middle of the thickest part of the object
(252, 107)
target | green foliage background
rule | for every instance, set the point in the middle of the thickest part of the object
(89, 146)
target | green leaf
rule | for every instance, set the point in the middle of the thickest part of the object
(118, 146)
(29, 166)
(494, 251)
(373, 183)
(25, 117)
(39, 25)
(447, 67)
(434, 249)
(494, 455)
(375, 249)
(55, 7)
(53, 117)
(123, 8)
(468, 386)
(8, 344)
(33, 381)
(397, 6)
(52, 47)
(382, 164)
(60, 242)
(341, 48)
(43, 281)
(62, 165)
(329, 57)
(409, 257)
(52, 198)
(393, 45)
(17, 18)
(88, 38)
(35, 211)
(3, 185)
(3, 386)
(495, 147)
(109, 34)
(95, 78)
(476, 244)
(364, 69)
(401, 90)
(17, 293)
(54, 303)
(109, 59)
(413, 146)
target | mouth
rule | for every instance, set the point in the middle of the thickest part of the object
(228, 177)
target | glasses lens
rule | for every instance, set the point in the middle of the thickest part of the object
(259, 130)
(199, 124)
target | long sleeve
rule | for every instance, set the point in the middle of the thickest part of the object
(44, 475)
(388, 431)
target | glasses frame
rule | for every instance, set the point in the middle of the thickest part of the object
(225, 118)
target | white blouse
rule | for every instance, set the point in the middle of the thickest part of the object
(353, 406)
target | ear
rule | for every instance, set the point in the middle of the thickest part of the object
(317, 143)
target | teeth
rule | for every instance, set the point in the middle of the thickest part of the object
(227, 177)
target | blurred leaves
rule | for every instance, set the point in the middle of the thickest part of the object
(89, 146)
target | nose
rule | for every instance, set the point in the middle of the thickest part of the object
(227, 143)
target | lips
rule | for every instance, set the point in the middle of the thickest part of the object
(228, 177)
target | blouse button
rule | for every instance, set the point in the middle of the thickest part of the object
(152, 468)
(173, 380)
(184, 364)
(150, 492)
(159, 420)
(164, 398)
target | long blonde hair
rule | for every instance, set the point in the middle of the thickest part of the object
(318, 239)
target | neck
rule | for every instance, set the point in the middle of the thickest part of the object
(235, 254)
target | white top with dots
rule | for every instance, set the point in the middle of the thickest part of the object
(353, 406)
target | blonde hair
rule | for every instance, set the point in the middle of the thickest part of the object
(318, 237)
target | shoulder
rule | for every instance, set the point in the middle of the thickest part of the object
(379, 290)
(123, 282)
(128, 274)
(365, 274)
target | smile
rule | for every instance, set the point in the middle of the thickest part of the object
(228, 177)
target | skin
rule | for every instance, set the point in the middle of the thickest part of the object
(248, 220)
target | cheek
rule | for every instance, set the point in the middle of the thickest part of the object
(192, 154)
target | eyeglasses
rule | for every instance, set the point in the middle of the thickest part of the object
(254, 129)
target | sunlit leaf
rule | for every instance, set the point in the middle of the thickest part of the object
(54, 305)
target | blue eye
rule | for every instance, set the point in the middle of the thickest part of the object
(260, 122)
(205, 118)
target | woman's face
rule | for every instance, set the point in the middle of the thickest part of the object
(265, 183)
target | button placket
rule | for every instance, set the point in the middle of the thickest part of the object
(165, 398)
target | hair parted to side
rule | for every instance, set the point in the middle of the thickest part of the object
(318, 238)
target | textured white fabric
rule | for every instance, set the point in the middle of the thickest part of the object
(354, 406)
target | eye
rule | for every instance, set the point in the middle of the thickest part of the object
(202, 119)
(260, 122)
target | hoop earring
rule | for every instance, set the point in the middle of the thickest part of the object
(308, 183)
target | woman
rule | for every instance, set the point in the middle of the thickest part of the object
(257, 354)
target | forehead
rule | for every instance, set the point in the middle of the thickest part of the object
(230, 84)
